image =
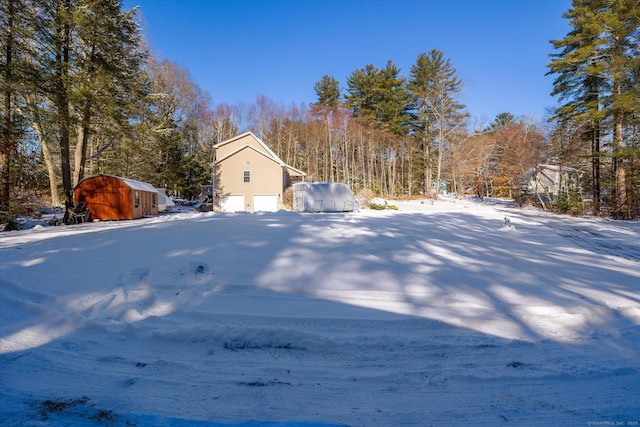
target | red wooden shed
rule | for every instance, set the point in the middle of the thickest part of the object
(112, 197)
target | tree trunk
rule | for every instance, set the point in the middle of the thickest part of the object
(427, 167)
(595, 169)
(7, 140)
(439, 164)
(46, 152)
(5, 154)
(80, 157)
(620, 186)
(63, 34)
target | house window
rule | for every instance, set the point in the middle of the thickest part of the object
(153, 200)
(246, 176)
(137, 199)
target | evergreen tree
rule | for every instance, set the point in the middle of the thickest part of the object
(328, 92)
(109, 60)
(364, 93)
(86, 59)
(379, 101)
(435, 87)
(379, 97)
(15, 33)
(580, 83)
(394, 105)
(502, 120)
(596, 60)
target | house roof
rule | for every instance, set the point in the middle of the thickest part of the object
(244, 147)
(270, 154)
(295, 172)
(556, 168)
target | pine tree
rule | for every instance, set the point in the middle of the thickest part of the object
(364, 93)
(14, 34)
(435, 88)
(394, 105)
(380, 102)
(595, 61)
(328, 92)
(108, 61)
(87, 59)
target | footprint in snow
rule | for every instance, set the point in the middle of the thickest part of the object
(135, 276)
(196, 273)
(198, 268)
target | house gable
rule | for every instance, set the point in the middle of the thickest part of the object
(552, 180)
(243, 151)
(229, 146)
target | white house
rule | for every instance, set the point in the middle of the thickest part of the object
(552, 180)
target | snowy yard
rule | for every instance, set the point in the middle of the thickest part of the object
(435, 314)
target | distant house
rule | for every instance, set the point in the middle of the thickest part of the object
(249, 176)
(550, 180)
(110, 197)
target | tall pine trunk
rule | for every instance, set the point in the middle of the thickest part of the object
(63, 34)
(80, 156)
(7, 139)
(620, 186)
(595, 167)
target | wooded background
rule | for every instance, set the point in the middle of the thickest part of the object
(82, 95)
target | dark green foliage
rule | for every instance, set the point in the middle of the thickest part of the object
(379, 98)
(328, 92)
(597, 83)
(571, 203)
(435, 87)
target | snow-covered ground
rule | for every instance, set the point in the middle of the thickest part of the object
(435, 314)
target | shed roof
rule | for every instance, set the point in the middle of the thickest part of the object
(131, 183)
(139, 185)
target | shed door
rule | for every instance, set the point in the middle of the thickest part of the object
(265, 203)
(232, 203)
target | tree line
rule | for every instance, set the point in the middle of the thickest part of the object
(83, 95)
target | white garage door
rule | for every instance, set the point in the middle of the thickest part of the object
(265, 203)
(232, 203)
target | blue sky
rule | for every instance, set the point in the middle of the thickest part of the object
(238, 50)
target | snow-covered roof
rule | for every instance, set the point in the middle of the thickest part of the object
(557, 168)
(133, 184)
(138, 185)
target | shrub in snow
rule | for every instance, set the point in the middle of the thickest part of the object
(378, 203)
(571, 203)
